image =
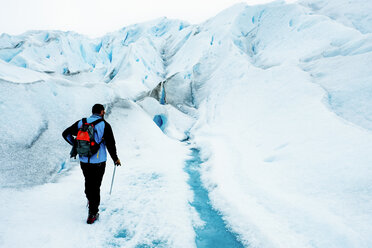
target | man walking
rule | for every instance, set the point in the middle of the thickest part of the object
(92, 153)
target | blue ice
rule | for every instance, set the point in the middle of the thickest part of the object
(8, 54)
(160, 29)
(98, 47)
(113, 74)
(82, 52)
(123, 233)
(161, 121)
(215, 232)
(110, 56)
(153, 244)
(63, 165)
(125, 39)
(162, 99)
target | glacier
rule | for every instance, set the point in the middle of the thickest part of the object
(276, 99)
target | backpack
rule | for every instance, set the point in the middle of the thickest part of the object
(85, 143)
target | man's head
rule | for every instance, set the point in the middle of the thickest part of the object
(98, 109)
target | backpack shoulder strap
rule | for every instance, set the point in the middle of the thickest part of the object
(83, 121)
(96, 121)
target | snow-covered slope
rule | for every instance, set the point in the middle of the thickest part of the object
(356, 13)
(277, 97)
(48, 79)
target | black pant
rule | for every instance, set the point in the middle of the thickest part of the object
(93, 174)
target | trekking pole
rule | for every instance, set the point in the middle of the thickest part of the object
(113, 175)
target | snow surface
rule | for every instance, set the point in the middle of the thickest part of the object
(277, 98)
(148, 205)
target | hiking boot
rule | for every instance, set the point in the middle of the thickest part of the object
(92, 218)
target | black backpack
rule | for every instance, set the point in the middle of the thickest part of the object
(85, 143)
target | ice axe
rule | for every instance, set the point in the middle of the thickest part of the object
(112, 181)
(117, 163)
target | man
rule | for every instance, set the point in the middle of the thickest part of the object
(93, 166)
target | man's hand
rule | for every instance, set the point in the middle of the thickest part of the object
(117, 162)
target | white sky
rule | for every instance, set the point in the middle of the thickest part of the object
(98, 17)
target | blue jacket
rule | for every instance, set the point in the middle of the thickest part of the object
(103, 133)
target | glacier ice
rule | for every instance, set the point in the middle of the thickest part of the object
(277, 97)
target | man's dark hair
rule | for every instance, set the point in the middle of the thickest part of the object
(97, 108)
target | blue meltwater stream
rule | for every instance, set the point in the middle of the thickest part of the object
(214, 234)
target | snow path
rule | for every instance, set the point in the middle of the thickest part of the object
(214, 232)
(149, 205)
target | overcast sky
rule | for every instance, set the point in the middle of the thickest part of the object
(98, 17)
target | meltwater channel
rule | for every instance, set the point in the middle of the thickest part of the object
(214, 234)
